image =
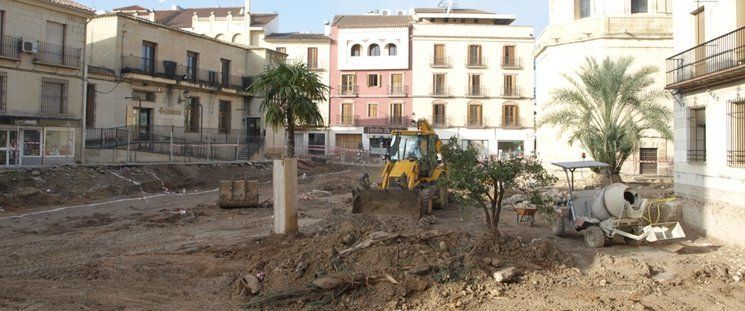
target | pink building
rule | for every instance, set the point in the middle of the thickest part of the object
(370, 75)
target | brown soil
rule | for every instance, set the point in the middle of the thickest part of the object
(178, 251)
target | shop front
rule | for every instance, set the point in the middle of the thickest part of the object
(29, 142)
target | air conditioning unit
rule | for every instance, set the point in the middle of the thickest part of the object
(31, 47)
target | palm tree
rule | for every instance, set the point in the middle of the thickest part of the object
(609, 109)
(290, 92)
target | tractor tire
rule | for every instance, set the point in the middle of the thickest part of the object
(558, 227)
(426, 199)
(594, 237)
(443, 198)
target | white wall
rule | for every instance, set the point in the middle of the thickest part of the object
(365, 37)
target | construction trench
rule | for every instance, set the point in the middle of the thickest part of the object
(152, 237)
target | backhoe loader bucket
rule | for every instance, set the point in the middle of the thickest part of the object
(394, 202)
(664, 231)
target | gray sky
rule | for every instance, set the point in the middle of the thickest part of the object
(303, 15)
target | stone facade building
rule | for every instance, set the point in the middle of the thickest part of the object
(707, 79)
(41, 81)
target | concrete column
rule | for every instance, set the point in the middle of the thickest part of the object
(285, 196)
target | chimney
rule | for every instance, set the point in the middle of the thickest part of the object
(327, 28)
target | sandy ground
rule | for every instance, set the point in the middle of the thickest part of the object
(178, 251)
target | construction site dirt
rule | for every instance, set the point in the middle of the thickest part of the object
(152, 238)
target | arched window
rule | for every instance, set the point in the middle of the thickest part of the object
(392, 49)
(373, 50)
(510, 115)
(356, 50)
(238, 38)
(220, 36)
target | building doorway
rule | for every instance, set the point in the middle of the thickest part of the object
(144, 122)
(349, 141)
(9, 147)
(648, 161)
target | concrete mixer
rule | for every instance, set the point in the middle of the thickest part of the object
(604, 213)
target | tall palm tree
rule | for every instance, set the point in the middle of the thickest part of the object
(609, 109)
(290, 92)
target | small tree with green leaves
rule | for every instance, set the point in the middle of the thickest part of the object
(484, 184)
(290, 94)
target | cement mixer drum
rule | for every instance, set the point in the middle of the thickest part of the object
(619, 201)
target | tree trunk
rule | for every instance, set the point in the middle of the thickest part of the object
(498, 208)
(290, 134)
(488, 216)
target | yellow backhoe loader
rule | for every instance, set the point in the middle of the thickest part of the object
(409, 181)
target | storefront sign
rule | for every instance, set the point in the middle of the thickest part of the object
(27, 122)
(174, 112)
(381, 130)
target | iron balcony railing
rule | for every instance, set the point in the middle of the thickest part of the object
(511, 92)
(347, 120)
(476, 91)
(347, 90)
(474, 122)
(696, 156)
(716, 55)
(398, 121)
(54, 54)
(441, 121)
(512, 63)
(441, 62)
(398, 90)
(171, 70)
(476, 62)
(10, 47)
(439, 91)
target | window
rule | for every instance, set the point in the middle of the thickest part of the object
(53, 97)
(348, 84)
(474, 85)
(582, 8)
(192, 63)
(192, 115)
(2, 28)
(438, 84)
(356, 50)
(54, 47)
(372, 110)
(439, 58)
(510, 89)
(90, 106)
(474, 115)
(223, 121)
(736, 150)
(145, 96)
(347, 114)
(313, 58)
(697, 135)
(225, 71)
(59, 143)
(438, 115)
(31, 143)
(510, 115)
(282, 49)
(648, 161)
(397, 84)
(148, 57)
(392, 49)
(508, 56)
(474, 56)
(317, 143)
(3, 91)
(373, 50)
(373, 80)
(639, 6)
(397, 114)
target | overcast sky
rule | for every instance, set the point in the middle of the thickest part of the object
(307, 15)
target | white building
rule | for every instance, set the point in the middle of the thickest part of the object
(603, 28)
(707, 78)
(473, 78)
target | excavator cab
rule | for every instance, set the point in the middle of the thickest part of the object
(408, 184)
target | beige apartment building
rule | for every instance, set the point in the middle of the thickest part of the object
(706, 76)
(159, 81)
(473, 78)
(41, 81)
(579, 29)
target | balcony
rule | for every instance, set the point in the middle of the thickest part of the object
(10, 47)
(398, 121)
(476, 91)
(171, 70)
(511, 123)
(317, 66)
(439, 91)
(476, 62)
(441, 62)
(345, 120)
(514, 92)
(473, 122)
(347, 90)
(441, 121)
(58, 55)
(398, 90)
(512, 63)
(716, 61)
